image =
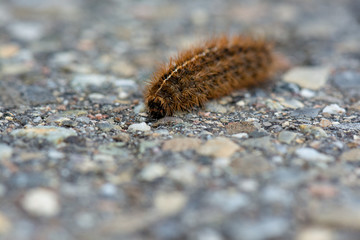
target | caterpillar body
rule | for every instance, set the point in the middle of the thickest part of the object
(206, 72)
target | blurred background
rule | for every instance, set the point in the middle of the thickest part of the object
(129, 38)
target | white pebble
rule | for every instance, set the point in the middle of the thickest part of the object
(139, 127)
(152, 172)
(307, 93)
(41, 202)
(334, 109)
(311, 154)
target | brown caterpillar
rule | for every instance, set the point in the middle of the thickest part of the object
(211, 71)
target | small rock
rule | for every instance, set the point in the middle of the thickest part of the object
(348, 82)
(54, 135)
(240, 127)
(8, 50)
(305, 112)
(36, 95)
(181, 144)
(105, 126)
(311, 154)
(334, 109)
(183, 174)
(229, 201)
(5, 151)
(312, 78)
(291, 103)
(153, 171)
(169, 203)
(317, 132)
(5, 224)
(218, 147)
(351, 155)
(306, 93)
(274, 105)
(83, 81)
(27, 31)
(139, 108)
(121, 137)
(250, 165)
(96, 97)
(139, 127)
(324, 123)
(207, 234)
(240, 135)
(214, 107)
(168, 121)
(315, 233)
(348, 126)
(287, 136)
(40, 202)
(126, 84)
(108, 190)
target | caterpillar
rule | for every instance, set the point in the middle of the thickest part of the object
(222, 65)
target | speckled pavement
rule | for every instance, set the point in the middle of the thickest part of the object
(79, 158)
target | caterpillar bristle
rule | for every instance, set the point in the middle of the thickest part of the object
(206, 72)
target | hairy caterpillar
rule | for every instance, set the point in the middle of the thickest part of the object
(206, 72)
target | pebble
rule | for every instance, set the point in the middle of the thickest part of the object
(240, 127)
(152, 172)
(324, 123)
(312, 78)
(55, 135)
(36, 95)
(348, 82)
(315, 233)
(216, 108)
(291, 103)
(229, 201)
(338, 217)
(139, 127)
(139, 108)
(27, 31)
(96, 97)
(287, 136)
(305, 112)
(181, 144)
(266, 228)
(126, 84)
(317, 132)
(218, 147)
(334, 109)
(274, 105)
(311, 154)
(5, 224)
(207, 234)
(351, 155)
(5, 151)
(83, 81)
(41, 202)
(240, 135)
(108, 190)
(184, 174)
(348, 126)
(121, 137)
(169, 203)
(307, 93)
(250, 165)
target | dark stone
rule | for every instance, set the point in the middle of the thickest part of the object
(348, 82)
(305, 112)
(36, 95)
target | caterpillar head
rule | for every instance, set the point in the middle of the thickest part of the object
(156, 107)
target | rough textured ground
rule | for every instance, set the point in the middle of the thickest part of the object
(79, 159)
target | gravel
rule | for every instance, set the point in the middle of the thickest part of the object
(80, 159)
